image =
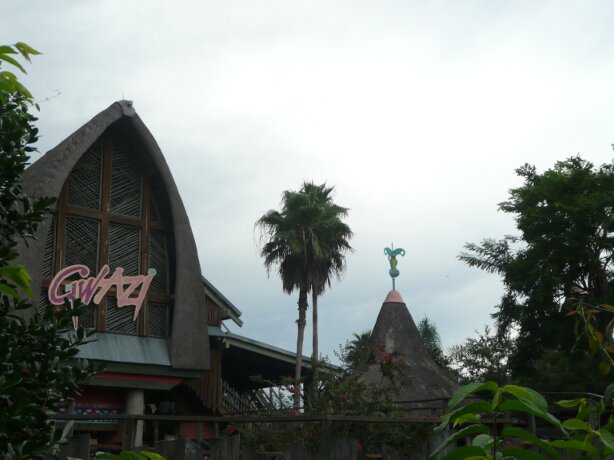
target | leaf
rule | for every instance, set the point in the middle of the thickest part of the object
(5, 49)
(10, 60)
(515, 432)
(592, 345)
(463, 419)
(66, 431)
(130, 454)
(607, 307)
(496, 399)
(604, 368)
(475, 407)
(465, 452)
(18, 275)
(521, 406)
(460, 434)
(471, 388)
(599, 337)
(9, 290)
(571, 402)
(574, 444)
(483, 441)
(152, 456)
(574, 424)
(522, 454)
(26, 50)
(607, 438)
(528, 396)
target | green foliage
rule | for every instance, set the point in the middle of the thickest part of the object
(355, 354)
(483, 357)
(130, 455)
(9, 83)
(587, 327)
(342, 395)
(432, 341)
(477, 419)
(306, 241)
(38, 368)
(563, 249)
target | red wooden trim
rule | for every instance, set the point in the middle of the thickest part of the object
(137, 378)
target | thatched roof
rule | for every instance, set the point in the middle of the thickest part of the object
(189, 341)
(395, 334)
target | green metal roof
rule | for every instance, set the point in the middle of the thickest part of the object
(130, 349)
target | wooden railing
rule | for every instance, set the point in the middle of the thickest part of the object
(252, 402)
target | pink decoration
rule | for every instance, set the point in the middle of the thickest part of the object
(95, 288)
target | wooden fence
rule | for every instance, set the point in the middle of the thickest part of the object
(219, 447)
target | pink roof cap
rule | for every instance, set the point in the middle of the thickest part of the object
(394, 296)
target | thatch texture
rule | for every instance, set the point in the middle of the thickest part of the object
(396, 337)
(189, 341)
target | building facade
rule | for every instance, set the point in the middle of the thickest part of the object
(120, 242)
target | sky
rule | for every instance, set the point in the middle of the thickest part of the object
(417, 113)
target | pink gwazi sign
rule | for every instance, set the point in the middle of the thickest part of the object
(94, 288)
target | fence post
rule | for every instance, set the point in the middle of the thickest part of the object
(325, 434)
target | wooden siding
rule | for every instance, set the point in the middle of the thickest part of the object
(215, 313)
(209, 386)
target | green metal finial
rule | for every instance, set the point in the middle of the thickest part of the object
(392, 259)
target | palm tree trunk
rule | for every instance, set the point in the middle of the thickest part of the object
(314, 355)
(301, 322)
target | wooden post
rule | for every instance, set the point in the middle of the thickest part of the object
(133, 429)
(325, 433)
(532, 424)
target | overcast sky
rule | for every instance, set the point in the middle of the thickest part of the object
(417, 112)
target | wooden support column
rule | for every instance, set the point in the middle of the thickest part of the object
(133, 429)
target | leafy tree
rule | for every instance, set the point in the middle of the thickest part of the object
(564, 249)
(305, 241)
(37, 365)
(432, 341)
(355, 354)
(474, 422)
(482, 358)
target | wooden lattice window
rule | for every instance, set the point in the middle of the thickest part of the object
(106, 214)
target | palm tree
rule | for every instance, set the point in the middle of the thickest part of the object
(432, 341)
(330, 240)
(356, 353)
(305, 240)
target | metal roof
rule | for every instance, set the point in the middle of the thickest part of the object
(249, 358)
(232, 312)
(126, 349)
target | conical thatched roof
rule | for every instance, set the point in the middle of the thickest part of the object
(395, 336)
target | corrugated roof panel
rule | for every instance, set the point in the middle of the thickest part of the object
(126, 349)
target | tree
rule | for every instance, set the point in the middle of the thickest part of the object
(330, 236)
(38, 368)
(355, 354)
(482, 358)
(564, 250)
(305, 241)
(432, 341)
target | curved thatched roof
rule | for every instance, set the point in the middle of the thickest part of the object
(396, 333)
(189, 341)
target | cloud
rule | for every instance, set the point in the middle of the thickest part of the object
(417, 112)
